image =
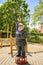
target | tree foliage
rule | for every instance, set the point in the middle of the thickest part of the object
(10, 11)
(38, 13)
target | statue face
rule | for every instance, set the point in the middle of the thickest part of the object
(20, 28)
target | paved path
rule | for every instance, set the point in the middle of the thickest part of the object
(32, 58)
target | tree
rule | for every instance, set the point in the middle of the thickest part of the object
(38, 13)
(10, 11)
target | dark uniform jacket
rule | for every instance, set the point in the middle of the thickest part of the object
(21, 37)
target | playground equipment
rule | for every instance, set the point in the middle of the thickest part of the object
(12, 41)
(4, 40)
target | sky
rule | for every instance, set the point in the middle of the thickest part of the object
(2, 1)
(31, 5)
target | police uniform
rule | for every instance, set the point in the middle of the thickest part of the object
(21, 41)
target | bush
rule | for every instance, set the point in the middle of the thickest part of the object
(35, 39)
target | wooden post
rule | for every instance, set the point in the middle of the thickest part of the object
(11, 44)
(0, 40)
(26, 46)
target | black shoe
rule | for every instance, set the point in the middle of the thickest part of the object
(17, 55)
